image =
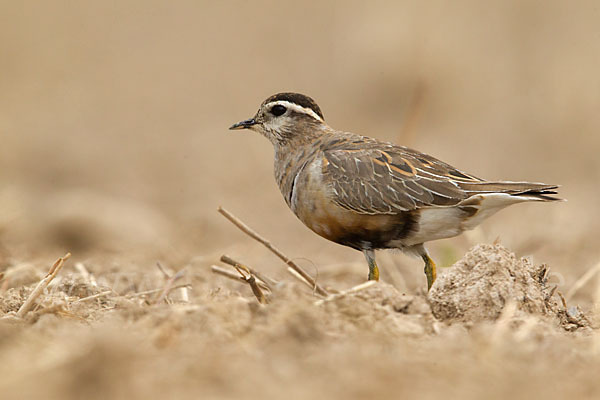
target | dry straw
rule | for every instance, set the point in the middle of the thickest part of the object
(305, 277)
(582, 281)
(43, 284)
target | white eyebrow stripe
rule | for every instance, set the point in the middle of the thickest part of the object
(295, 107)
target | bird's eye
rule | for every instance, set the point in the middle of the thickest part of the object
(278, 110)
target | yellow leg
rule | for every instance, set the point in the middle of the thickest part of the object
(373, 269)
(430, 271)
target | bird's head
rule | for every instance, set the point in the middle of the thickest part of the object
(286, 117)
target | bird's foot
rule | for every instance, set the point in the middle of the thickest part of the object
(373, 269)
(430, 271)
(373, 272)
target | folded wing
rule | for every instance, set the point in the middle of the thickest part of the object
(379, 178)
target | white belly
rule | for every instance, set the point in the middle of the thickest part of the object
(436, 223)
(445, 222)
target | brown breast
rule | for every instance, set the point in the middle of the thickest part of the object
(311, 201)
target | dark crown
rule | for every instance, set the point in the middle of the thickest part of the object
(296, 98)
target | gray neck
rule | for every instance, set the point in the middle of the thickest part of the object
(292, 154)
(289, 161)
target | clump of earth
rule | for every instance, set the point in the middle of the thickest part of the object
(489, 278)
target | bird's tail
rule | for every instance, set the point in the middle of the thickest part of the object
(525, 190)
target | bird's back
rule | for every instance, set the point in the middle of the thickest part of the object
(374, 177)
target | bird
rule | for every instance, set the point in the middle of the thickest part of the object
(370, 195)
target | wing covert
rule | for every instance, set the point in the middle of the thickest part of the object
(391, 179)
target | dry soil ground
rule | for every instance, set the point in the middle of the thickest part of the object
(492, 326)
(114, 147)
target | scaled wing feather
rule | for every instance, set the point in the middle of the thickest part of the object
(372, 177)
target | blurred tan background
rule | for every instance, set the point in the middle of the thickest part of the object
(114, 116)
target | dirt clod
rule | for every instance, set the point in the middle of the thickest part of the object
(489, 277)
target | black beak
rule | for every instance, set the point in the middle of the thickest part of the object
(243, 124)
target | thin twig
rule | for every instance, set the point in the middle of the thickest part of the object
(43, 284)
(247, 230)
(585, 278)
(265, 279)
(256, 286)
(94, 296)
(260, 296)
(80, 267)
(226, 273)
(152, 291)
(353, 289)
(562, 299)
(551, 294)
(163, 270)
(185, 297)
(169, 285)
(296, 275)
(184, 290)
